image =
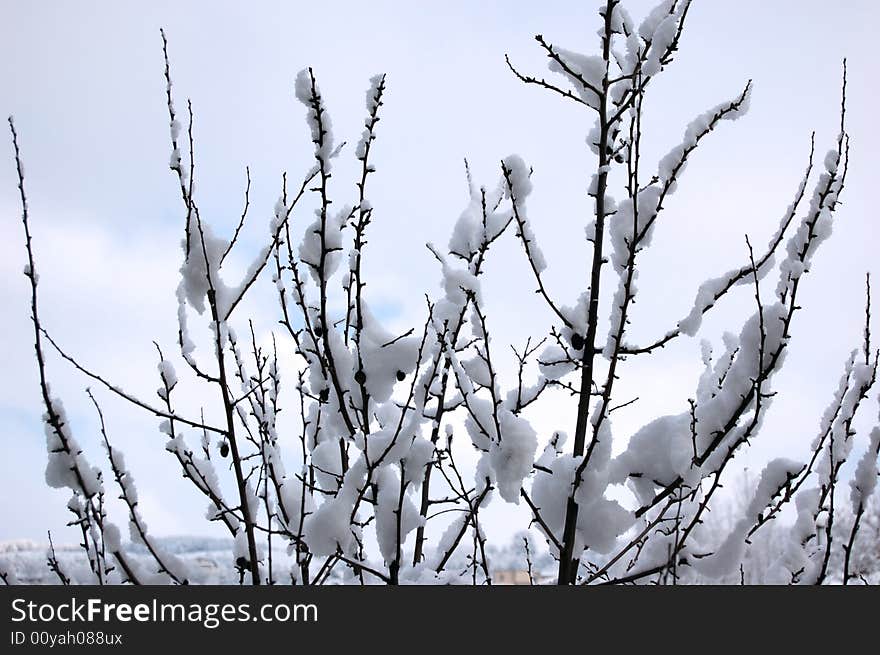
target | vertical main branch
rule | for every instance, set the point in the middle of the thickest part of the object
(228, 407)
(568, 563)
(326, 326)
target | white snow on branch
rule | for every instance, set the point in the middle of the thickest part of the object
(307, 92)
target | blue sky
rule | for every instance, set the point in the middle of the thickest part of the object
(84, 82)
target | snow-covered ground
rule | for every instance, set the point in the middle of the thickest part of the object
(208, 560)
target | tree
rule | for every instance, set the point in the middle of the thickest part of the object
(380, 413)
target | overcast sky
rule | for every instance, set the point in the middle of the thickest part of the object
(84, 82)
